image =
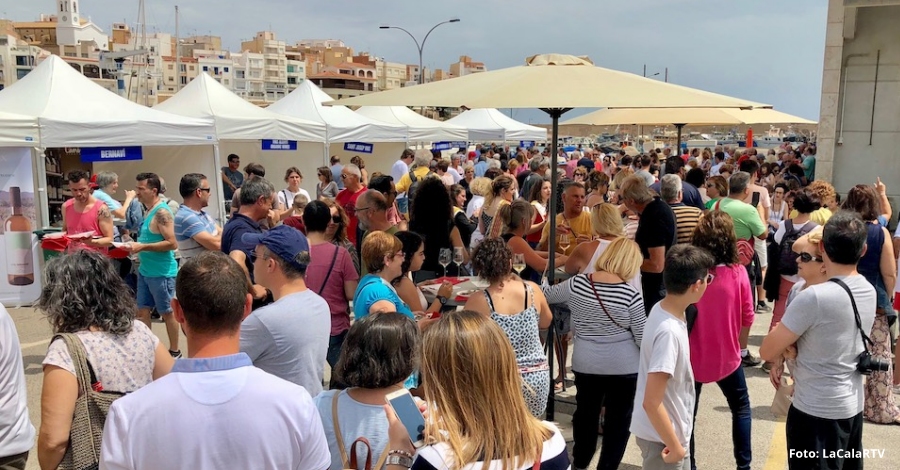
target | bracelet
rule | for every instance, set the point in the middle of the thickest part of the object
(400, 452)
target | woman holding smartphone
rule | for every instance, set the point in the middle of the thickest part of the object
(484, 424)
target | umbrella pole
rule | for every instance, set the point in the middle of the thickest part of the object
(555, 114)
(679, 128)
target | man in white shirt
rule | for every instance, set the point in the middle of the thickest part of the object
(400, 168)
(16, 431)
(214, 410)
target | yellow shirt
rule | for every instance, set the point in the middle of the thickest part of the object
(404, 183)
(581, 227)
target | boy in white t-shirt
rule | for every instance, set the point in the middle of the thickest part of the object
(664, 400)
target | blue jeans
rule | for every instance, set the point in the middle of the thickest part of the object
(734, 387)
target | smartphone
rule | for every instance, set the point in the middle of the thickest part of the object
(409, 415)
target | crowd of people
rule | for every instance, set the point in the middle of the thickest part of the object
(668, 257)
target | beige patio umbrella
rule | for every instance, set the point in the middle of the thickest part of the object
(686, 116)
(553, 83)
(680, 117)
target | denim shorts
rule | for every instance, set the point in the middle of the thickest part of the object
(156, 292)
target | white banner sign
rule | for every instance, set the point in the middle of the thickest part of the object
(20, 276)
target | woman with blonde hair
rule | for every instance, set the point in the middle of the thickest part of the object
(607, 349)
(724, 316)
(480, 188)
(476, 416)
(598, 184)
(517, 218)
(519, 307)
(502, 193)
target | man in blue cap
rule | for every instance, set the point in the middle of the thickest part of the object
(289, 337)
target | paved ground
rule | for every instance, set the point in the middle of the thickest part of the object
(713, 427)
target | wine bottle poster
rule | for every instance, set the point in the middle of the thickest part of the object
(20, 276)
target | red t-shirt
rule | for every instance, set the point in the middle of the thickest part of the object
(295, 221)
(347, 200)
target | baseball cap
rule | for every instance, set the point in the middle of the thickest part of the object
(285, 241)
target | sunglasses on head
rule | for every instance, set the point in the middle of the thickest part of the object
(336, 219)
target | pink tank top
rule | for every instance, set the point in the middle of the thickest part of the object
(79, 222)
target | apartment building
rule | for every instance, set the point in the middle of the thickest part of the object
(17, 58)
(249, 82)
(321, 53)
(218, 64)
(296, 69)
(466, 66)
(274, 66)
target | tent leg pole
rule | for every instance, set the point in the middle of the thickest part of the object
(220, 190)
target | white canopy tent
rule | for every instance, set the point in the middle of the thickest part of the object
(341, 124)
(17, 130)
(421, 129)
(490, 124)
(73, 111)
(236, 118)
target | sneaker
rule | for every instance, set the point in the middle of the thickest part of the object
(767, 366)
(762, 307)
(750, 361)
(175, 354)
(896, 389)
(154, 315)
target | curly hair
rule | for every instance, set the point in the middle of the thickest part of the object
(380, 350)
(492, 260)
(597, 179)
(715, 233)
(825, 191)
(83, 290)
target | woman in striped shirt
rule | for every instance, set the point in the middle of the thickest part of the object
(607, 350)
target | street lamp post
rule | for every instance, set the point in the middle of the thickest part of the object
(421, 46)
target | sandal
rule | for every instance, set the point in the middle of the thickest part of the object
(559, 386)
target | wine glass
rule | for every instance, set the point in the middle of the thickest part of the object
(564, 241)
(444, 258)
(458, 258)
(518, 263)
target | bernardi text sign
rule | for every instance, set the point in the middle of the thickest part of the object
(360, 147)
(110, 154)
(277, 144)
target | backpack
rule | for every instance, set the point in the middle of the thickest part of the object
(414, 183)
(787, 259)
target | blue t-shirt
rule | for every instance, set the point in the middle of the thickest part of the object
(238, 225)
(373, 288)
(110, 202)
(188, 224)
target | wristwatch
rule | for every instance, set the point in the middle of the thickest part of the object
(401, 460)
(443, 300)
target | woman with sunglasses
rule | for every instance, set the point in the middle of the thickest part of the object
(724, 314)
(326, 187)
(716, 188)
(336, 231)
(811, 271)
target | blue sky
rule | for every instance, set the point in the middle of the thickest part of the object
(765, 50)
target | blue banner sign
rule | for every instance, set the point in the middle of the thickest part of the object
(110, 154)
(359, 147)
(526, 144)
(448, 145)
(277, 144)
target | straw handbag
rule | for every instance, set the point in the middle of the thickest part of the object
(91, 408)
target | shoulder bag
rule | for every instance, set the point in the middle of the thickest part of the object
(597, 296)
(330, 268)
(91, 408)
(351, 462)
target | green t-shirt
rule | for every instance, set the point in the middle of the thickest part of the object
(747, 222)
